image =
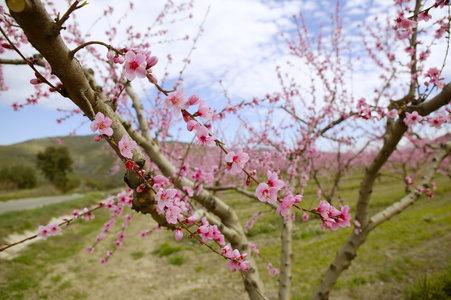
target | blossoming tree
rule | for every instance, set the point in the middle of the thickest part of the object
(179, 192)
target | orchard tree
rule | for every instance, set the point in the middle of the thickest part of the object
(316, 127)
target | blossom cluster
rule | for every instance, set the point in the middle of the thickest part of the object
(116, 205)
(210, 232)
(333, 218)
(235, 259)
(49, 230)
(137, 63)
(267, 191)
(103, 125)
(178, 102)
(436, 120)
(172, 203)
(236, 161)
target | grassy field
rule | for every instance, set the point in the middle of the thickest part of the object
(408, 253)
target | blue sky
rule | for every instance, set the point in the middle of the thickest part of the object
(241, 45)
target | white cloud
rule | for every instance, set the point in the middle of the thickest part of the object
(240, 44)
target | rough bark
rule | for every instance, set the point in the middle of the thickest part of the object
(286, 260)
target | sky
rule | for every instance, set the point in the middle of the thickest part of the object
(240, 45)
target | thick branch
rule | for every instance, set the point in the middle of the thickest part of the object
(349, 249)
(409, 199)
(230, 224)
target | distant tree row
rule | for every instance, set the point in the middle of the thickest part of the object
(17, 177)
(55, 164)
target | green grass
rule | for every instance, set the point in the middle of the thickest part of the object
(414, 240)
(19, 221)
(435, 286)
(166, 249)
(177, 260)
(24, 273)
(137, 255)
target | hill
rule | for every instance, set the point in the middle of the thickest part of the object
(92, 160)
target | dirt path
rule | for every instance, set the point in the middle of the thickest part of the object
(28, 203)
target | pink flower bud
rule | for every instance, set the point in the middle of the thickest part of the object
(119, 60)
(35, 81)
(98, 137)
(7, 46)
(151, 61)
(193, 99)
(110, 54)
(191, 219)
(192, 124)
(178, 234)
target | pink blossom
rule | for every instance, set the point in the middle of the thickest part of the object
(326, 210)
(305, 217)
(441, 2)
(89, 249)
(43, 232)
(178, 234)
(442, 29)
(236, 161)
(434, 74)
(344, 219)
(437, 120)
(333, 218)
(54, 229)
(274, 181)
(204, 111)
(424, 16)
(135, 65)
(412, 119)
(126, 147)
(273, 271)
(87, 215)
(285, 205)
(392, 114)
(265, 193)
(192, 124)
(75, 214)
(408, 180)
(401, 1)
(254, 248)
(176, 100)
(118, 243)
(144, 233)
(364, 109)
(236, 260)
(204, 138)
(102, 124)
(173, 213)
(404, 23)
(165, 198)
